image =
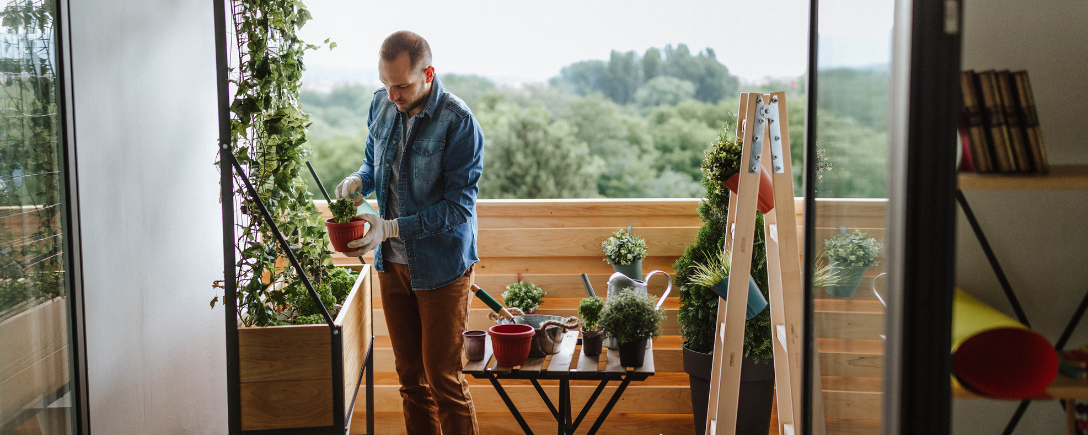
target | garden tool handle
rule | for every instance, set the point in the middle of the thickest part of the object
(885, 304)
(661, 301)
(491, 302)
(589, 287)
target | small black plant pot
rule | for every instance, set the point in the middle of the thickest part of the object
(591, 342)
(633, 354)
(756, 392)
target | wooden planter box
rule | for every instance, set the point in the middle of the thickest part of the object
(33, 360)
(304, 378)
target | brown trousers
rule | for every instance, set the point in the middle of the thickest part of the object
(425, 329)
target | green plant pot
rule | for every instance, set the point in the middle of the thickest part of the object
(851, 279)
(756, 302)
(633, 270)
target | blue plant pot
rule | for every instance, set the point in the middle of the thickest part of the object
(851, 279)
(756, 302)
(633, 270)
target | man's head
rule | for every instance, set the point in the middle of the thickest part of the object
(405, 68)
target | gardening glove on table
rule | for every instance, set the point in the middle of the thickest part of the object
(350, 188)
(380, 229)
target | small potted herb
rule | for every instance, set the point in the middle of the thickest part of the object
(849, 256)
(632, 318)
(589, 310)
(524, 296)
(344, 226)
(714, 274)
(625, 251)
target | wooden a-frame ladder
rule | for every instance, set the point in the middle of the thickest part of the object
(766, 136)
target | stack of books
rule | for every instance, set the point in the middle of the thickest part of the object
(999, 126)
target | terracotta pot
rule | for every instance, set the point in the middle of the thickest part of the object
(633, 354)
(766, 190)
(341, 234)
(511, 343)
(474, 344)
(591, 342)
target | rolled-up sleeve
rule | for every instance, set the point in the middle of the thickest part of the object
(462, 165)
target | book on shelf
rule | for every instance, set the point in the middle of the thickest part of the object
(1029, 117)
(972, 127)
(996, 129)
(1011, 106)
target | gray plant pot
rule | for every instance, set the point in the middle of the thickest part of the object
(756, 392)
(633, 270)
(851, 279)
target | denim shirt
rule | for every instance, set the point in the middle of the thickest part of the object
(440, 172)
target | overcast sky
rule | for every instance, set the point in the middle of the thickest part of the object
(518, 41)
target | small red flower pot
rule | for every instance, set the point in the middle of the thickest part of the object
(341, 234)
(511, 343)
(766, 189)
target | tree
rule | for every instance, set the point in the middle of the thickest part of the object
(468, 87)
(334, 157)
(651, 64)
(664, 90)
(622, 79)
(711, 78)
(620, 139)
(582, 77)
(528, 155)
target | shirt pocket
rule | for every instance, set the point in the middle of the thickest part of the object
(427, 159)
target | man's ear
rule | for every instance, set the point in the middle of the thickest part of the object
(429, 72)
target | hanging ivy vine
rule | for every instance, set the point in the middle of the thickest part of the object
(268, 136)
(31, 241)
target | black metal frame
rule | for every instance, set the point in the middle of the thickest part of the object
(562, 413)
(229, 167)
(808, 339)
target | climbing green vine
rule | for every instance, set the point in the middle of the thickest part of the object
(268, 136)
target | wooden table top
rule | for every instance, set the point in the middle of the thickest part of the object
(561, 364)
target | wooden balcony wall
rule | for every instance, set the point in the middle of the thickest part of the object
(551, 241)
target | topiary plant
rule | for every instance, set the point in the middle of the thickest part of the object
(589, 310)
(343, 210)
(630, 316)
(699, 304)
(623, 248)
(522, 295)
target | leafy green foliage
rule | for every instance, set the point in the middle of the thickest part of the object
(664, 90)
(268, 136)
(343, 210)
(589, 310)
(698, 303)
(624, 248)
(630, 316)
(332, 291)
(32, 266)
(312, 319)
(854, 249)
(340, 281)
(714, 271)
(523, 295)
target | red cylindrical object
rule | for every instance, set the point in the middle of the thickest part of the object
(341, 234)
(766, 189)
(511, 343)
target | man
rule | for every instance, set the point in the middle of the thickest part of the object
(424, 157)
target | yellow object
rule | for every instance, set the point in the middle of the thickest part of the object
(971, 316)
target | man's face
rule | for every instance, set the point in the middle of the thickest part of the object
(408, 85)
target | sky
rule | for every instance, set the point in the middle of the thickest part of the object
(515, 41)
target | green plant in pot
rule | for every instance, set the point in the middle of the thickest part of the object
(589, 310)
(698, 312)
(344, 226)
(524, 296)
(715, 274)
(625, 251)
(849, 255)
(632, 318)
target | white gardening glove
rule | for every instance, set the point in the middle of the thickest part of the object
(350, 188)
(380, 229)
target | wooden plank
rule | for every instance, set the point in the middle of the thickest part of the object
(1061, 177)
(567, 285)
(285, 353)
(503, 423)
(477, 318)
(609, 222)
(561, 360)
(841, 426)
(865, 326)
(648, 360)
(34, 383)
(577, 242)
(637, 398)
(533, 364)
(31, 335)
(586, 207)
(852, 405)
(354, 318)
(586, 363)
(286, 404)
(575, 265)
(851, 365)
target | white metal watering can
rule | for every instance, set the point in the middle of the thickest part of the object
(619, 282)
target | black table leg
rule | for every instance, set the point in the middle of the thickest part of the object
(564, 385)
(562, 405)
(589, 404)
(544, 397)
(611, 403)
(509, 404)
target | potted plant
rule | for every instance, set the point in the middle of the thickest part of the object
(524, 296)
(722, 164)
(631, 318)
(589, 310)
(344, 226)
(715, 274)
(849, 256)
(625, 251)
(699, 304)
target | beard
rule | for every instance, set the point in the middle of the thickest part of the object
(418, 101)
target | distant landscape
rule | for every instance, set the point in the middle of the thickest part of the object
(633, 126)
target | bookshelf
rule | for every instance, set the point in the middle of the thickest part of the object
(1061, 177)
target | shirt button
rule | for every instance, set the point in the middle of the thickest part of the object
(387, 165)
